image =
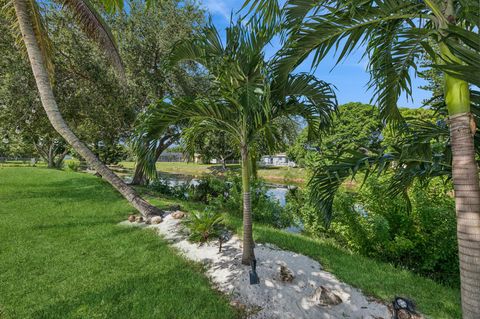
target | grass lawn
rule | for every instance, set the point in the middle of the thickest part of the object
(272, 174)
(62, 255)
(377, 279)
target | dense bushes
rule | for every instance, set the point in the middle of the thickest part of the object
(373, 224)
(225, 194)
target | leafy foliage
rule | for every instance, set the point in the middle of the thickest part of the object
(419, 234)
(355, 127)
(204, 225)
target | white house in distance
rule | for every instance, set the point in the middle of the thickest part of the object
(280, 159)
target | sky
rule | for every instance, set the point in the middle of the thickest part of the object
(350, 77)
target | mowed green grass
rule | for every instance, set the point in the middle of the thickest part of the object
(62, 255)
(290, 175)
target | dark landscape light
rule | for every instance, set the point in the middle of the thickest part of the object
(254, 280)
(400, 303)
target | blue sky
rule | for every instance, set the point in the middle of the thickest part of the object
(350, 77)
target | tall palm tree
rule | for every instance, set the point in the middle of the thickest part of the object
(246, 101)
(27, 20)
(394, 34)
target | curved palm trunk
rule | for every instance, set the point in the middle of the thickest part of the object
(139, 177)
(49, 104)
(248, 244)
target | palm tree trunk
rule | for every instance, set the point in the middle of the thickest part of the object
(37, 61)
(467, 189)
(467, 202)
(139, 177)
(248, 244)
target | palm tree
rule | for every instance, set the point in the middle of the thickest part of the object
(26, 19)
(246, 101)
(395, 34)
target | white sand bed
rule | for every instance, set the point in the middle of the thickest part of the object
(272, 298)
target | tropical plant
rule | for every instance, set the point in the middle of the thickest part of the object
(204, 226)
(27, 21)
(395, 34)
(246, 100)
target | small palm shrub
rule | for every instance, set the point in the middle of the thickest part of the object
(73, 165)
(204, 225)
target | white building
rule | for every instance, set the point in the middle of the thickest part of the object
(280, 159)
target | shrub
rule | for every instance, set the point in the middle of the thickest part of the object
(208, 187)
(73, 165)
(164, 186)
(264, 208)
(204, 226)
(226, 194)
(370, 222)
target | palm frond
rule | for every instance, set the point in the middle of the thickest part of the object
(326, 180)
(465, 45)
(394, 50)
(347, 28)
(95, 27)
(269, 11)
(305, 96)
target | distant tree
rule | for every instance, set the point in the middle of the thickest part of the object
(355, 127)
(211, 145)
(146, 39)
(92, 101)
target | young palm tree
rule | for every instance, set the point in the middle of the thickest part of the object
(395, 33)
(246, 100)
(26, 18)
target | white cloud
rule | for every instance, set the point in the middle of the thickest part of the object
(218, 7)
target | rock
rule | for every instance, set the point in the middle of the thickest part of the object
(178, 214)
(156, 220)
(238, 305)
(131, 218)
(286, 275)
(325, 297)
(139, 219)
(405, 314)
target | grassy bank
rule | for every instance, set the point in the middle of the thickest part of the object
(271, 174)
(62, 255)
(376, 279)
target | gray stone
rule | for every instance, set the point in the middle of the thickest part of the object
(286, 275)
(178, 214)
(323, 296)
(156, 220)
